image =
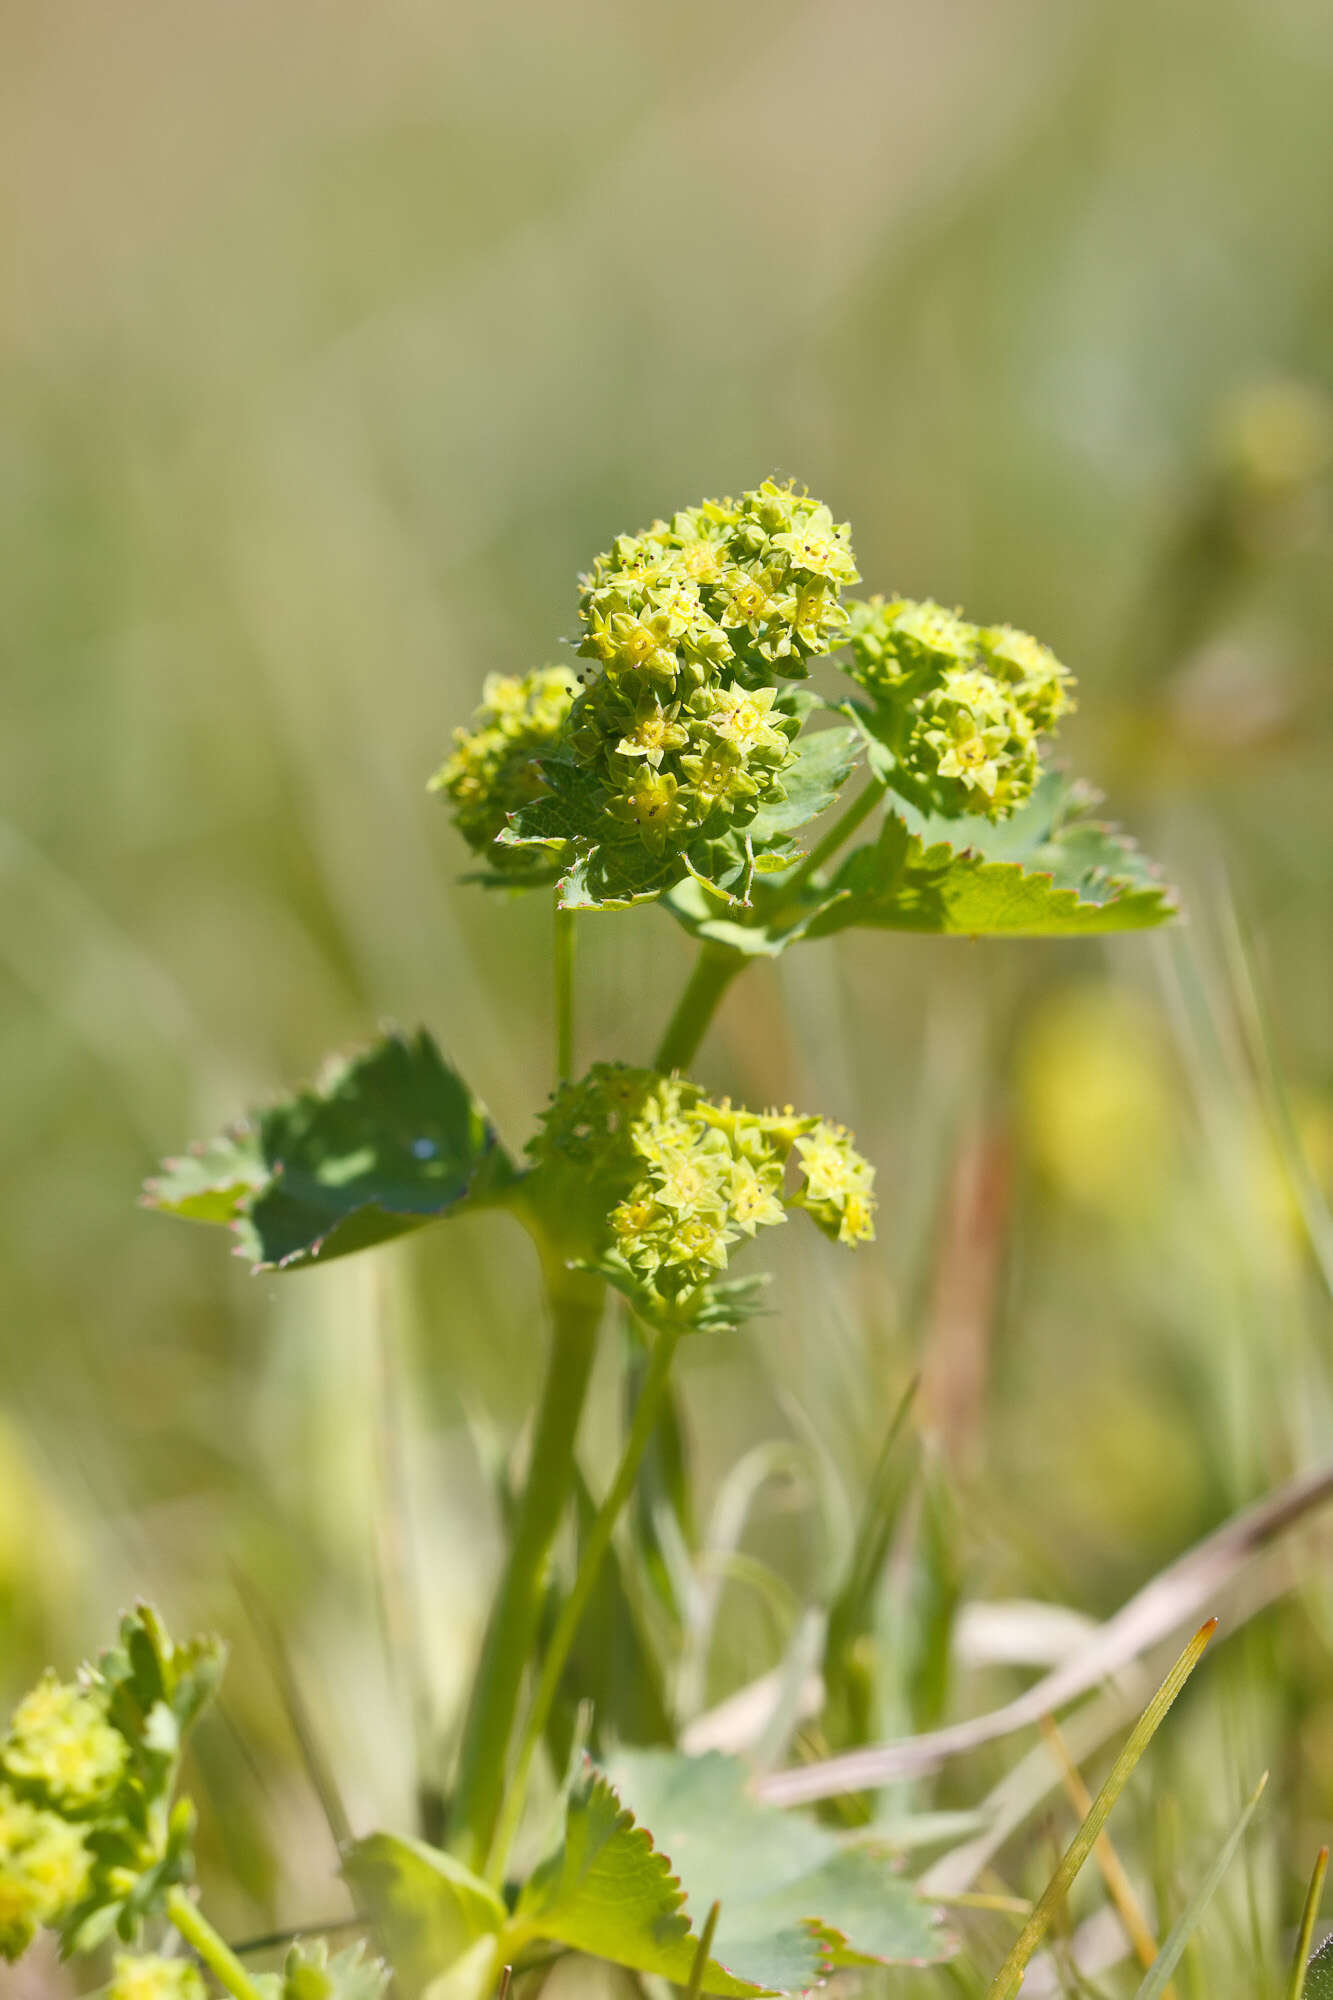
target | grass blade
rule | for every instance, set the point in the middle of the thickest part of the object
(701, 1956)
(1118, 1885)
(1300, 1958)
(1010, 1976)
(1161, 1607)
(1155, 1983)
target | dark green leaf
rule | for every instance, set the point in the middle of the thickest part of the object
(428, 1907)
(1319, 1973)
(389, 1140)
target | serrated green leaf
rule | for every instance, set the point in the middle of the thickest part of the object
(429, 1909)
(1050, 871)
(388, 1141)
(610, 1892)
(823, 763)
(786, 1884)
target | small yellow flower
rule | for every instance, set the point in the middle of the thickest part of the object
(653, 734)
(153, 1978)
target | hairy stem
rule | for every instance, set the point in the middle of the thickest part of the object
(715, 968)
(564, 994)
(511, 1630)
(221, 1961)
(571, 1615)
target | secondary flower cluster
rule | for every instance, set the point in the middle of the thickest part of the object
(959, 706)
(493, 771)
(89, 1841)
(680, 1180)
(151, 1977)
(691, 625)
(60, 1762)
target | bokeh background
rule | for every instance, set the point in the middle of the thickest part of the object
(335, 340)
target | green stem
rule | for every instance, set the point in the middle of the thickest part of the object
(841, 830)
(646, 1414)
(221, 1961)
(511, 1631)
(715, 968)
(564, 994)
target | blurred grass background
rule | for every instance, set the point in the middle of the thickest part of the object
(335, 341)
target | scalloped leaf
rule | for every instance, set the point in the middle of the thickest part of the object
(429, 1909)
(609, 1892)
(787, 1885)
(389, 1140)
(1052, 870)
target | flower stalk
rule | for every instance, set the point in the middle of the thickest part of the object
(646, 1414)
(218, 1956)
(576, 1302)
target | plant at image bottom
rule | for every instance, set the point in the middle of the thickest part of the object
(685, 761)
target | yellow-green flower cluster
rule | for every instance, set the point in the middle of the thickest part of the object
(690, 626)
(681, 1181)
(59, 1763)
(959, 705)
(61, 1744)
(89, 1839)
(44, 1870)
(150, 1977)
(493, 769)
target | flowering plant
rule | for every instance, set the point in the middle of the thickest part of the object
(685, 760)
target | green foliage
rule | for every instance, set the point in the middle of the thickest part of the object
(89, 1839)
(1319, 1973)
(610, 1892)
(1052, 870)
(311, 1971)
(681, 763)
(796, 1901)
(389, 1140)
(427, 1906)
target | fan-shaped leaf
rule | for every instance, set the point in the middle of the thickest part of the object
(389, 1140)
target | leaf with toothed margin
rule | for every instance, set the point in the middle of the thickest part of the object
(786, 1884)
(610, 1892)
(1052, 870)
(1049, 871)
(389, 1140)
